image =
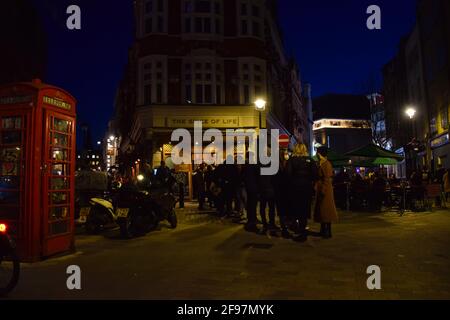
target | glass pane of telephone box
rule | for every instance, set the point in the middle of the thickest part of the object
(61, 125)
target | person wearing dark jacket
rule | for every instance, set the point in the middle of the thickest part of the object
(303, 173)
(250, 174)
(231, 184)
(267, 199)
(281, 188)
(200, 185)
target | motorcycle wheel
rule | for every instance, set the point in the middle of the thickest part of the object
(125, 229)
(94, 221)
(9, 271)
(144, 221)
(172, 218)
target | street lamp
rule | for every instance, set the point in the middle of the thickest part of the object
(410, 112)
(112, 138)
(260, 105)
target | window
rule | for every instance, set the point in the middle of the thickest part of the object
(217, 8)
(198, 25)
(218, 26)
(252, 79)
(246, 94)
(257, 91)
(444, 117)
(206, 25)
(199, 93)
(255, 11)
(154, 78)
(251, 18)
(202, 6)
(159, 93)
(160, 5)
(154, 16)
(148, 25)
(187, 25)
(147, 94)
(208, 93)
(244, 28)
(188, 93)
(149, 6)
(256, 32)
(218, 94)
(201, 16)
(243, 9)
(160, 24)
(204, 85)
(188, 8)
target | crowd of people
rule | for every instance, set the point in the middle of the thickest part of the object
(235, 190)
(376, 189)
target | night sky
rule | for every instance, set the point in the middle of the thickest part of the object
(334, 49)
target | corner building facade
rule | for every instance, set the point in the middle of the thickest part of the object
(205, 60)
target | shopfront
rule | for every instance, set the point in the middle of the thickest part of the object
(441, 150)
(153, 127)
(37, 163)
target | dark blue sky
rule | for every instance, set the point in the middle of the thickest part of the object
(335, 50)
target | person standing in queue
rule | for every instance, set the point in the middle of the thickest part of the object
(250, 174)
(199, 181)
(303, 173)
(267, 199)
(325, 212)
(281, 188)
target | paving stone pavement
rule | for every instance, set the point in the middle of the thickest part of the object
(211, 258)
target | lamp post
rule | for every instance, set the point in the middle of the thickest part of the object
(411, 112)
(260, 106)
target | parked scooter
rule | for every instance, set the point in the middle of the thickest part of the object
(99, 215)
(140, 208)
(9, 261)
(93, 209)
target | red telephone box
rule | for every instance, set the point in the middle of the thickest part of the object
(37, 163)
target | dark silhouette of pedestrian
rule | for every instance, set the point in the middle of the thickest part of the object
(267, 200)
(303, 173)
(200, 185)
(250, 174)
(281, 187)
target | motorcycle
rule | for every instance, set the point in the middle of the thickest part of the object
(139, 211)
(99, 215)
(93, 206)
(9, 262)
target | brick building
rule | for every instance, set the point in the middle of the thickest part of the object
(204, 60)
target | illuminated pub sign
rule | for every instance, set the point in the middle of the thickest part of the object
(342, 124)
(37, 163)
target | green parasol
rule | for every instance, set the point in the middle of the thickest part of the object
(373, 151)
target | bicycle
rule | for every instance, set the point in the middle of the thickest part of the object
(9, 262)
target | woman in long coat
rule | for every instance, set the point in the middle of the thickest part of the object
(325, 211)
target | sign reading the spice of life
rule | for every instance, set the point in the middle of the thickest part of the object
(57, 103)
(207, 122)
